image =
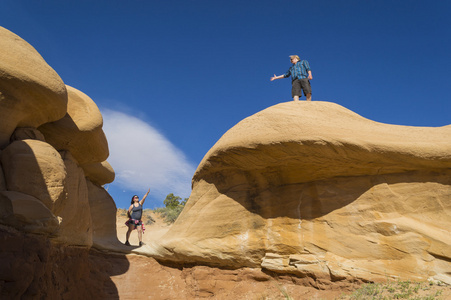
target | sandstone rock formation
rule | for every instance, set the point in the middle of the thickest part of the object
(31, 92)
(100, 173)
(310, 191)
(80, 130)
(50, 134)
(313, 189)
(103, 214)
(37, 169)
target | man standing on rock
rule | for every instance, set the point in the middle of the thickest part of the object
(300, 73)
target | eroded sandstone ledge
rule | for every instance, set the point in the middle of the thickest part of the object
(315, 189)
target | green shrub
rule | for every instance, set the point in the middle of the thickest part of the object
(170, 214)
(148, 220)
(174, 206)
(395, 290)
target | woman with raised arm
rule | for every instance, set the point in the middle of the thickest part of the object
(134, 213)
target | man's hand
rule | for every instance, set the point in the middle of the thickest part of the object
(274, 77)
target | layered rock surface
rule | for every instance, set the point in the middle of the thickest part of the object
(53, 153)
(53, 207)
(311, 188)
(31, 92)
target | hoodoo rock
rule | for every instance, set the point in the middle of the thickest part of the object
(31, 92)
(314, 189)
(53, 208)
(80, 130)
(49, 135)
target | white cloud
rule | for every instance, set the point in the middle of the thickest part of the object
(142, 157)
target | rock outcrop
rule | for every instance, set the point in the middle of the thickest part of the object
(79, 131)
(53, 152)
(313, 189)
(53, 207)
(37, 169)
(31, 92)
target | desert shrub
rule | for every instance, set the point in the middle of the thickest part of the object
(170, 214)
(397, 290)
(147, 217)
(174, 206)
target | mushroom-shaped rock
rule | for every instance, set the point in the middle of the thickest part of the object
(37, 169)
(99, 173)
(313, 189)
(80, 130)
(328, 141)
(31, 92)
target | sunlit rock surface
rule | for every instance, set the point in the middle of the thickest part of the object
(53, 213)
(80, 130)
(31, 92)
(49, 135)
(37, 169)
(311, 188)
(100, 173)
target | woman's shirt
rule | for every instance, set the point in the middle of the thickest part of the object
(137, 212)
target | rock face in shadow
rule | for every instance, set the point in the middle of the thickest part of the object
(53, 164)
(32, 267)
(313, 189)
(49, 134)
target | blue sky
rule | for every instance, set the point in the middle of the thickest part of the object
(171, 77)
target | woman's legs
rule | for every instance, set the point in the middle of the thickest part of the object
(140, 233)
(129, 231)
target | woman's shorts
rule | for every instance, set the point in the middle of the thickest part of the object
(134, 222)
(300, 84)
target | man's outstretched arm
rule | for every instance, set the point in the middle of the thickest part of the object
(277, 77)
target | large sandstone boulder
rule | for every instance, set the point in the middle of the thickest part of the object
(51, 141)
(99, 173)
(103, 214)
(80, 130)
(31, 92)
(35, 168)
(50, 213)
(30, 214)
(74, 211)
(313, 189)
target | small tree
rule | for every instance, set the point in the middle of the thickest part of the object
(172, 201)
(184, 201)
(174, 206)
